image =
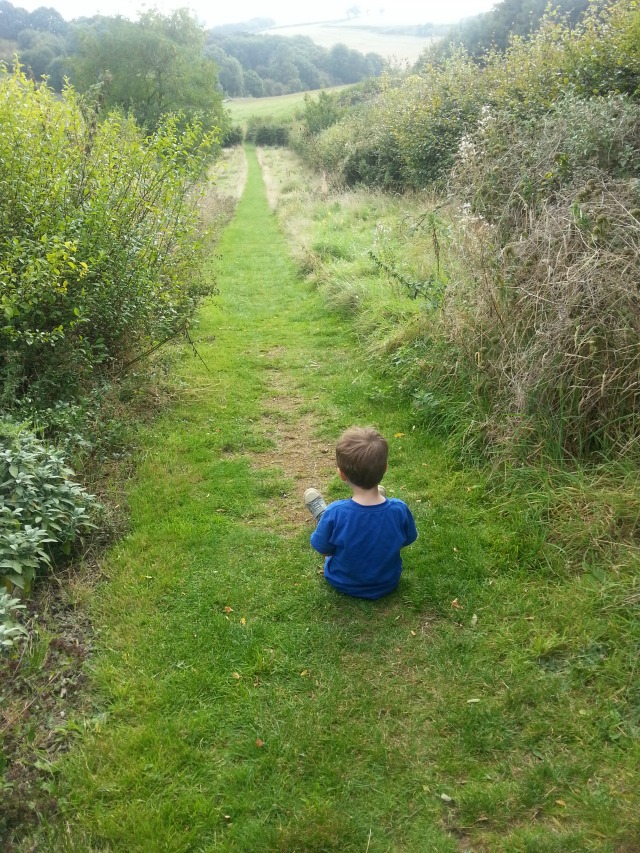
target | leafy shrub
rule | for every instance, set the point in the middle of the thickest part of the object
(266, 131)
(233, 136)
(42, 511)
(359, 149)
(321, 112)
(97, 239)
(10, 631)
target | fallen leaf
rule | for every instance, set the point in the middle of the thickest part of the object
(472, 701)
(259, 743)
(398, 435)
(413, 633)
(228, 609)
(243, 621)
(474, 620)
(304, 672)
(560, 803)
(446, 798)
(455, 604)
(236, 675)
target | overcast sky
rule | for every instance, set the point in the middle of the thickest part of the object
(211, 12)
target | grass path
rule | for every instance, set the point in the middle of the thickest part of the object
(243, 705)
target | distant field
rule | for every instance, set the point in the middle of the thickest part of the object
(280, 107)
(399, 48)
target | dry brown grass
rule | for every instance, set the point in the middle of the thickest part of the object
(230, 172)
(548, 318)
(283, 173)
(552, 321)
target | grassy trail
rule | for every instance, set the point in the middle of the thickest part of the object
(243, 705)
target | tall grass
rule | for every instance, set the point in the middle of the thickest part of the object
(430, 352)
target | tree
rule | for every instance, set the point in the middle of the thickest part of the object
(47, 19)
(344, 65)
(42, 53)
(230, 72)
(288, 64)
(493, 29)
(151, 67)
(253, 84)
(12, 20)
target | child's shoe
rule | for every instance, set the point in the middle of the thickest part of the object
(314, 502)
(382, 491)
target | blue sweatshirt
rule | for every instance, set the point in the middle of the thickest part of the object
(363, 544)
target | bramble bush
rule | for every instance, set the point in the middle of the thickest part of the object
(98, 239)
(548, 312)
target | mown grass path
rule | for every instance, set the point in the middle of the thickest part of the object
(243, 705)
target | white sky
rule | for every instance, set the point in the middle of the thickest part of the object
(282, 11)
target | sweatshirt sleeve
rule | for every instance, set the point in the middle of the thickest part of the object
(410, 530)
(321, 537)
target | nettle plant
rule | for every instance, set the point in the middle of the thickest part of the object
(42, 511)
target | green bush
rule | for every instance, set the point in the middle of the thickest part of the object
(97, 239)
(233, 136)
(266, 131)
(42, 511)
(359, 149)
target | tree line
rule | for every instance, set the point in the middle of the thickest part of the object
(257, 65)
(493, 30)
(165, 62)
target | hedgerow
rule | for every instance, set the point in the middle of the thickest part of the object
(97, 239)
(406, 136)
(534, 336)
(266, 131)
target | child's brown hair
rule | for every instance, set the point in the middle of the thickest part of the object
(361, 455)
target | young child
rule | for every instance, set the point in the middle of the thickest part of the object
(361, 537)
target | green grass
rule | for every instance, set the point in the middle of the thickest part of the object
(243, 705)
(280, 107)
